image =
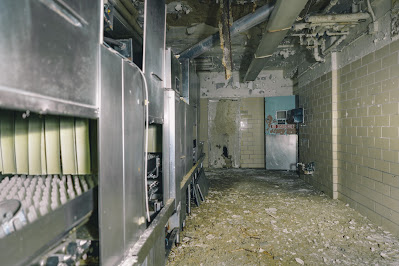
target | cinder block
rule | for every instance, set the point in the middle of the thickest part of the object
(394, 46)
(373, 216)
(390, 225)
(382, 121)
(361, 72)
(390, 156)
(391, 203)
(394, 71)
(368, 59)
(382, 166)
(375, 175)
(375, 110)
(395, 193)
(394, 95)
(390, 108)
(361, 131)
(369, 163)
(380, 53)
(368, 121)
(375, 66)
(382, 143)
(367, 80)
(383, 188)
(374, 89)
(389, 132)
(356, 64)
(390, 179)
(390, 84)
(382, 98)
(362, 111)
(367, 182)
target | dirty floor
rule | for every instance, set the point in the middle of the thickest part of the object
(258, 217)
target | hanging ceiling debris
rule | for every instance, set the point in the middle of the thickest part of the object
(302, 31)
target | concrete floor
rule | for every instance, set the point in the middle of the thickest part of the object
(258, 217)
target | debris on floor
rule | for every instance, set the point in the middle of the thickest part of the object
(259, 217)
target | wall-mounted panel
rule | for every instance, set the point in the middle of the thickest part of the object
(111, 183)
(51, 55)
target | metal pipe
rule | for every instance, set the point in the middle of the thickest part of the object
(129, 6)
(335, 44)
(371, 10)
(337, 18)
(127, 16)
(241, 25)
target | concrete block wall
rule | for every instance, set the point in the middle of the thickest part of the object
(252, 131)
(315, 134)
(368, 136)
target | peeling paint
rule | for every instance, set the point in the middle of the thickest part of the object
(269, 83)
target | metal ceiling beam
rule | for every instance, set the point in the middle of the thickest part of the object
(280, 22)
(241, 25)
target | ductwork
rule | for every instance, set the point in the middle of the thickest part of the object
(281, 20)
(241, 25)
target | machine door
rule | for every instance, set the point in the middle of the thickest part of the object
(281, 137)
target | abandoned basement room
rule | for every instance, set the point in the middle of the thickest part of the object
(199, 132)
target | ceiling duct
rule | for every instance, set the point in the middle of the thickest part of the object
(280, 22)
(241, 25)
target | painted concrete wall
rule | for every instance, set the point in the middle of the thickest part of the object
(203, 132)
(249, 126)
(223, 133)
(268, 83)
(352, 126)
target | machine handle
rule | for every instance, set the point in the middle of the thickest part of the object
(65, 11)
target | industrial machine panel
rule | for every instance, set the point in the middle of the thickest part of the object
(180, 145)
(190, 120)
(111, 187)
(133, 112)
(169, 147)
(153, 62)
(54, 48)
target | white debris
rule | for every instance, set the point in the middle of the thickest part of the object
(300, 261)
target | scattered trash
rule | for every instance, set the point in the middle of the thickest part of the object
(275, 219)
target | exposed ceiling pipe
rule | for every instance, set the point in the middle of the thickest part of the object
(337, 18)
(241, 25)
(281, 20)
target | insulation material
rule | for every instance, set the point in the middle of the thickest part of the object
(155, 138)
(21, 144)
(35, 128)
(68, 152)
(82, 146)
(43, 150)
(52, 138)
(7, 142)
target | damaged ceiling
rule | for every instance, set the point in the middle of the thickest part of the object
(310, 39)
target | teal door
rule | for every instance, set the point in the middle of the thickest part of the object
(281, 138)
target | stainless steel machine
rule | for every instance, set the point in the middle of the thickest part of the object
(78, 181)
